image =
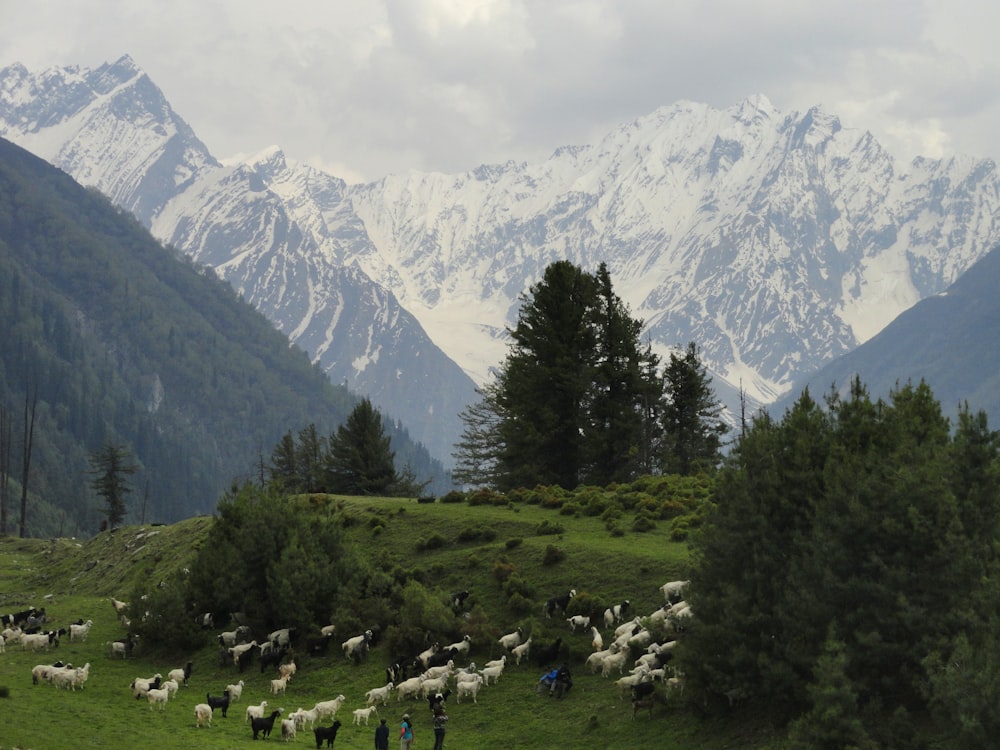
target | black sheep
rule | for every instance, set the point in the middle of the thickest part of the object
(264, 724)
(326, 733)
(215, 702)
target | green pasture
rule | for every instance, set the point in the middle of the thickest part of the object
(75, 580)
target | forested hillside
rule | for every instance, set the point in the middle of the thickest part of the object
(110, 337)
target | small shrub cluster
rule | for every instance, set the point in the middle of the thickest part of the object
(453, 497)
(477, 533)
(434, 541)
(553, 555)
(547, 527)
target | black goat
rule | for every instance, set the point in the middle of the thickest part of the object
(442, 657)
(244, 660)
(558, 603)
(437, 700)
(458, 600)
(264, 724)
(326, 733)
(318, 645)
(271, 658)
(215, 702)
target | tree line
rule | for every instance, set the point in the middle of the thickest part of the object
(579, 399)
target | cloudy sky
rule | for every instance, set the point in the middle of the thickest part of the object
(363, 88)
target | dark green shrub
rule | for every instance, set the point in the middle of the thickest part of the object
(453, 497)
(519, 604)
(434, 541)
(513, 542)
(474, 533)
(586, 604)
(547, 527)
(517, 585)
(570, 509)
(486, 497)
(553, 555)
(643, 522)
(426, 499)
(503, 569)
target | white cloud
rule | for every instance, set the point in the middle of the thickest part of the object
(368, 87)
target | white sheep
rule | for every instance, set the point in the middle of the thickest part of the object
(597, 641)
(461, 647)
(171, 686)
(202, 715)
(501, 662)
(627, 627)
(630, 681)
(375, 695)
(408, 688)
(468, 677)
(235, 691)
(12, 635)
(141, 685)
(640, 640)
(287, 670)
(522, 650)
(36, 641)
(278, 686)
(79, 632)
(433, 686)
(433, 673)
(302, 716)
(672, 589)
(255, 712)
(330, 707)
(364, 713)
(491, 674)
(596, 660)
(352, 645)
(239, 649)
(614, 661)
(578, 621)
(158, 696)
(181, 674)
(468, 687)
(511, 640)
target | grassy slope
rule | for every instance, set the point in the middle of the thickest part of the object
(75, 580)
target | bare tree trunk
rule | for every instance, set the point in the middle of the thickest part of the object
(6, 450)
(29, 436)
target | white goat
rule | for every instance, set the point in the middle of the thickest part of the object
(287, 729)
(578, 621)
(302, 716)
(408, 688)
(501, 662)
(511, 640)
(364, 713)
(202, 715)
(468, 687)
(521, 651)
(255, 712)
(80, 632)
(461, 647)
(375, 695)
(330, 707)
(673, 588)
(597, 641)
(171, 686)
(433, 685)
(235, 691)
(491, 674)
(278, 686)
(614, 661)
(158, 696)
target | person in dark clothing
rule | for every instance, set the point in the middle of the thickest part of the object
(440, 719)
(382, 736)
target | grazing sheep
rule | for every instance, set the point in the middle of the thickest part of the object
(158, 696)
(461, 647)
(302, 716)
(521, 651)
(364, 713)
(326, 733)
(597, 641)
(408, 688)
(673, 590)
(221, 702)
(202, 715)
(375, 695)
(255, 712)
(330, 707)
(171, 687)
(264, 725)
(80, 632)
(511, 640)
(557, 603)
(469, 688)
(235, 691)
(491, 674)
(578, 621)
(181, 675)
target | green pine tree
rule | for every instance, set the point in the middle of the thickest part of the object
(692, 424)
(360, 461)
(111, 466)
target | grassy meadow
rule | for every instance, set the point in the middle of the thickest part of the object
(453, 545)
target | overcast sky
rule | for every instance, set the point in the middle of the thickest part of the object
(363, 88)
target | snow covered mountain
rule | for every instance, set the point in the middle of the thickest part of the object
(776, 241)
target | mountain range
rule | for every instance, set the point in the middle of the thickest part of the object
(777, 241)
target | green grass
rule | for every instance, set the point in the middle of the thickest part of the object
(76, 579)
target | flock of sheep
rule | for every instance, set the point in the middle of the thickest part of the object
(433, 675)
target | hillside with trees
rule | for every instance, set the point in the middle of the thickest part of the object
(112, 339)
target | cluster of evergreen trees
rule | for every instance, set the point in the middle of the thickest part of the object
(580, 400)
(849, 562)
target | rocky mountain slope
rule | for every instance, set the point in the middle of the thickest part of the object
(777, 241)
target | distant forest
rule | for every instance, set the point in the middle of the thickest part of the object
(111, 338)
